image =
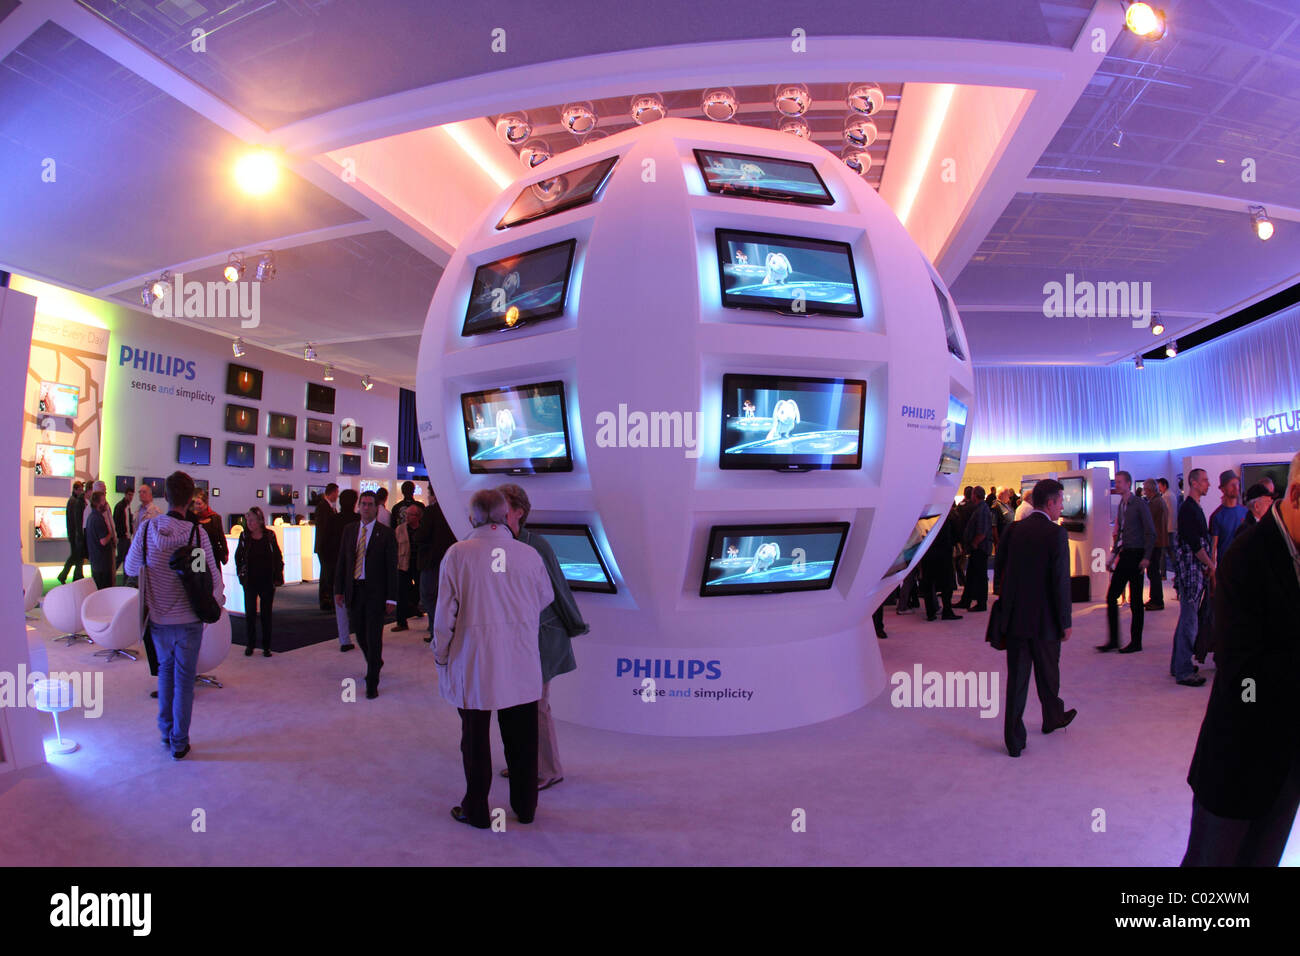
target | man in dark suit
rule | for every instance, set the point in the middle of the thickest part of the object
(74, 513)
(124, 522)
(1245, 774)
(328, 526)
(365, 582)
(1034, 566)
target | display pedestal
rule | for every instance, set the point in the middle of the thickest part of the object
(757, 690)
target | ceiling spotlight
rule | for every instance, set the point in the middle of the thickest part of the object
(309, 352)
(234, 270)
(1157, 326)
(534, 153)
(1119, 138)
(1146, 21)
(648, 108)
(514, 128)
(156, 289)
(865, 98)
(266, 267)
(793, 99)
(1263, 225)
(1137, 363)
(1172, 348)
(257, 172)
(578, 118)
(859, 132)
(329, 373)
(719, 104)
(795, 126)
(858, 160)
(366, 383)
(237, 347)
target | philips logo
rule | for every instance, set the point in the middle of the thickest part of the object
(156, 362)
(669, 670)
(919, 413)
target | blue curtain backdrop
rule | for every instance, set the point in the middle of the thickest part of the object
(1210, 394)
(409, 451)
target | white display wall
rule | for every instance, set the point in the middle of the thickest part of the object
(644, 328)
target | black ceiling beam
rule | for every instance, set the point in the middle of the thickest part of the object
(1238, 320)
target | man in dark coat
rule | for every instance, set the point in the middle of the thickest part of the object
(365, 582)
(1035, 612)
(328, 527)
(75, 512)
(1245, 774)
(937, 573)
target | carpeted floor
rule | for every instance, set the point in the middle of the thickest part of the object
(290, 773)
(297, 620)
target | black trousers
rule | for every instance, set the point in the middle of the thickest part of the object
(76, 555)
(407, 595)
(326, 583)
(1044, 657)
(928, 593)
(1221, 841)
(366, 618)
(519, 735)
(977, 580)
(101, 572)
(1155, 574)
(1127, 574)
(255, 592)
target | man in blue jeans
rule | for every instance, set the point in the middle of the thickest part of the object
(1194, 570)
(177, 630)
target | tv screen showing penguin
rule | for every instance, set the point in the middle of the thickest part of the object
(768, 559)
(517, 430)
(791, 423)
(787, 274)
(762, 177)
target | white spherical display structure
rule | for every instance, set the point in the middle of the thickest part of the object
(645, 331)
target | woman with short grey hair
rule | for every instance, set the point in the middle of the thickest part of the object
(561, 620)
(487, 507)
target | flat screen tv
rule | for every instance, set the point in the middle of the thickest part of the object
(924, 525)
(762, 177)
(579, 558)
(949, 326)
(193, 450)
(320, 398)
(1073, 498)
(1252, 473)
(55, 398)
(349, 464)
(281, 426)
(769, 559)
(239, 454)
(1027, 486)
(791, 423)
(318, 461)
(512, 292)
(518, 430)
(243, 381)
(234, 519)
(241, 419)
(279, 459)
(279, 494)
(314, 493)
(954, 434)
(350, 435)
(562, 191)
(125, 483)
(50, 522)
(56, 461)
(320, 431)
(159, 488)
(378, 454)
(201, 484)
(786, 274)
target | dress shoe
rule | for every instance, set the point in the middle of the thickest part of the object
(266, 652)
(401, 627)
(459, 816)
(428, 640)
(1131, 648)
(1153, 607)
(372, 691)
(949, 616)
(1196, 680)
(248, 651)
(153, 693)
(1108, 646)
(547, 784)
(976, 608)
(344, 648)
(1065, 721)
(881, 635)
(931, 617)
(182, 753)
(1014, 753)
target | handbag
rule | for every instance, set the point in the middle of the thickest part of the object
(995, 631)
(197, 584)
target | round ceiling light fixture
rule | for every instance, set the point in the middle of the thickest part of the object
(859, 132)
(257, 172)
(866, 99)
(858, 160)
(266, 268)
(534, 153)
(796, 126)
(579, 118)
(1145, 20)
(719, 104)
(792, 99)
(1260, 222)
(647, 108)
(234, 270)
(514, 128)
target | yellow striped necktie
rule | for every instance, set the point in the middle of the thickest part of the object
(360, 561)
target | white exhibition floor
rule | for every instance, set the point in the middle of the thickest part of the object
(286, 773)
